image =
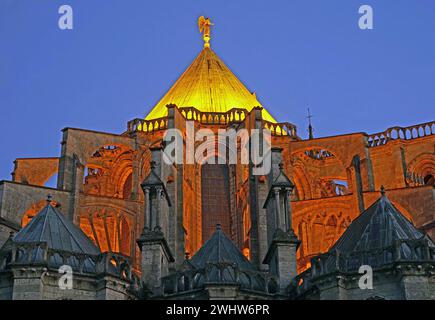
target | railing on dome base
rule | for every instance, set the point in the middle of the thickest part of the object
(235, 115)
(401, 133)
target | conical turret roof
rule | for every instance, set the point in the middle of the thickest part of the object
(209, 86)
(220, 249)
(58, 232)
(378, 227)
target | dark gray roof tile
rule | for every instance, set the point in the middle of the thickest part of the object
(58, 232)
(380, 226)
(220, 249)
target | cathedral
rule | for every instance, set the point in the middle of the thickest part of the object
(130, 225)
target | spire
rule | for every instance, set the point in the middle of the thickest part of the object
(282, 180)
(208, 85)
(50, 226)
(310, 127)
(152, 180)
(204, 25)
(220, 249)
(378, 227)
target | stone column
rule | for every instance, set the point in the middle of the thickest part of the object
(356, 164)
(147, 215)
(258, 189)
(155, 259)
(287, 210)
(156, 254)
(262, 223)
(277, 209)
(76, 188)
(66, 165)
(135, 173)
(281, 256)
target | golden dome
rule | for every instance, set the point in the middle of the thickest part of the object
(209, 86)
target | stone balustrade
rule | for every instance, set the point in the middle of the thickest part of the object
(37, 253)
(219, 273)
(402, 133)
(234, 115)
(142, 125)
(281, 129)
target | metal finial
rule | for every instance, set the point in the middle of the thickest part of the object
(382, 190)
(310, 127)
(49, 198)
(218, 226)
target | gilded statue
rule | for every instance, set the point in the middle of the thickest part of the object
(204, 27)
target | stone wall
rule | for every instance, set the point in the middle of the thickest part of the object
(34, 171)
(36, 283)
(17, 198)
(387, 285)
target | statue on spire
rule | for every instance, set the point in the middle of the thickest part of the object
(204, 27)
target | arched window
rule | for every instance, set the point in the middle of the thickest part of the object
(126, 188)
(215, 199)
(429, 180)
(330, 232)
(303, 236)
(317, 230)
(125, 245)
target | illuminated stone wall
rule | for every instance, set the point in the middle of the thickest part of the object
(99, 176)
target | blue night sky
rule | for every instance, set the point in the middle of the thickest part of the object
(123, 55)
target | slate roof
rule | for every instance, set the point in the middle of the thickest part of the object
(219, 261)
(380, 226)
(379, 236)
(58, 232)
(51, 228)
(220, 249)
(152, 179)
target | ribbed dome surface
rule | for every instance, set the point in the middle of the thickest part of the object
(209, 86)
